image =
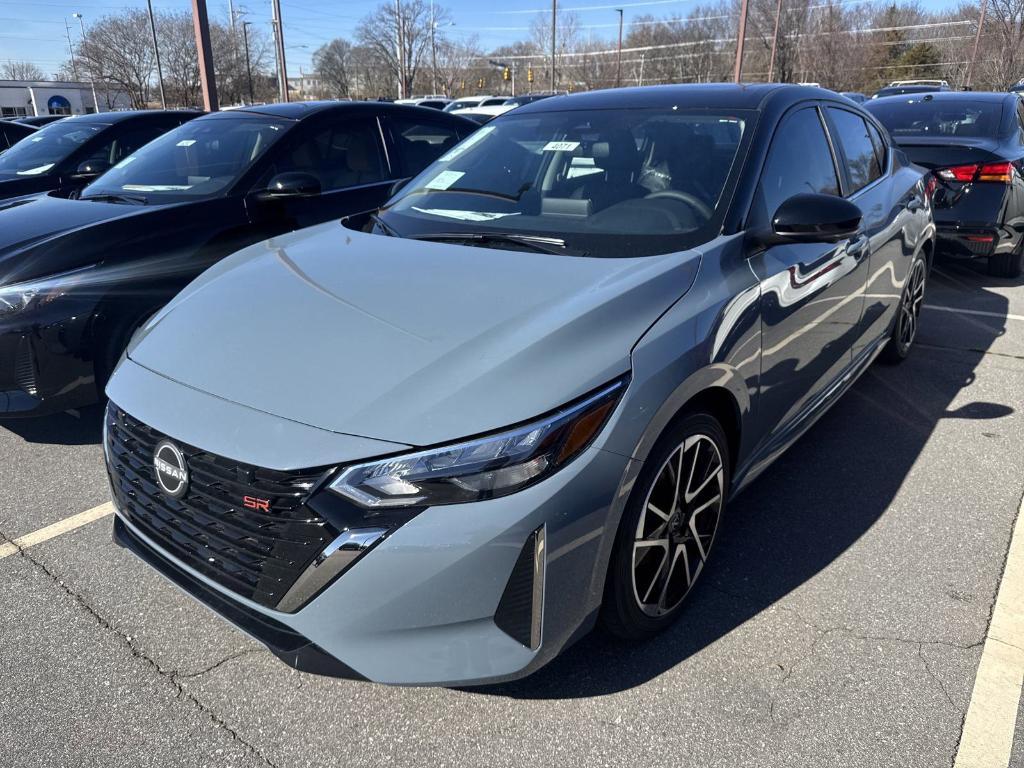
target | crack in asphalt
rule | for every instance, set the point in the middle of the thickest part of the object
(170, 676)
(973, 350)
(821, 632)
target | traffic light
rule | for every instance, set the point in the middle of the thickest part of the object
(506, 75)
(462, 86)
(529, 75)
(480, 83)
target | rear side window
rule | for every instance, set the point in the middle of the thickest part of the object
(799, 161)
(879, 144)
(856, 148)
(421, 143)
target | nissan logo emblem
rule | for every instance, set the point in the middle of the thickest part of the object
(171, 470)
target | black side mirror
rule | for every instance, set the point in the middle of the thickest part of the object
(292, 184)
(812, 218)
(90, 169)
(397, 186)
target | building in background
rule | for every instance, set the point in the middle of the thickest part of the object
(21, 98)
(305, 87)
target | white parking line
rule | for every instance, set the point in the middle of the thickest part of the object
(987, 738)
(959, 311)
(61, 526)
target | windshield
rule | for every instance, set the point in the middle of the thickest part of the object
(200, 159)
(40, 152)
(930, 117)
(603, 182)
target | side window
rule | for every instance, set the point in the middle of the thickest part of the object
(1020, 118)
(856, 148)
(120, 144)
(345, 153)
(799, 160)
(879, 144)
(421, 143)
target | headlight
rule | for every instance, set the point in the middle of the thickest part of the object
(484, 468)
(20, 296)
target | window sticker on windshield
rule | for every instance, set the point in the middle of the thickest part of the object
(444, 179)
(561, 146)
(185, 143)
(458, 149)
(464, 215)
(156, 187)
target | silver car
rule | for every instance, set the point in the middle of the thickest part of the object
(439, 445)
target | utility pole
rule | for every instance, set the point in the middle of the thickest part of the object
(156, 50)
(554, 23)
(201, 23)
(248, 64)
(618, 55)
(977, 44)
(71, 48)
(282, 67)
(399, 49)
(737, 73)
(92, 78)
(643, 58)
(775, 43)
(433, 51)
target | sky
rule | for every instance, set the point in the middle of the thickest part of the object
(34, 30)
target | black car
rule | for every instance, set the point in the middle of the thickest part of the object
(11, 133)
(79, 275)
(974, 144)
(66, 155)
(39, 120)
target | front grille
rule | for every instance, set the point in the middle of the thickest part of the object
(255, 553)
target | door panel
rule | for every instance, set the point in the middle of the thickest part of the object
(811, 293)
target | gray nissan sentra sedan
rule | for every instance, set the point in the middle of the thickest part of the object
(439, 451)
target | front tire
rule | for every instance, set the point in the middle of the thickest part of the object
(908, 315)
(667, 529)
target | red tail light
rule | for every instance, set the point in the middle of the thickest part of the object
(987, 172)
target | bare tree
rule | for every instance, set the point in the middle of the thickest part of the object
(332, 63)
(400, 37)
(119, 50)
(20, 70)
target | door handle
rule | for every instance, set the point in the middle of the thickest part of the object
(858, 246)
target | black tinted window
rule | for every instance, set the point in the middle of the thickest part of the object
(922, 116)
(421, 143)
(799, 160)
(343, 154)
(879, 144)
(856, 148)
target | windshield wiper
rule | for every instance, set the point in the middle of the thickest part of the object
(538, 243)
(133, 199)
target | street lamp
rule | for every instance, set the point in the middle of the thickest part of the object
(618, 56)
(156, 50)
(248, 64)
(92, 79)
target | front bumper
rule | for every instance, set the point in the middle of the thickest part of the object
(429, 604)
(46, 363)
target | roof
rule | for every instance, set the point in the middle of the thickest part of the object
(298, 110)
(110, 118)
(710, 95)
(952, 96)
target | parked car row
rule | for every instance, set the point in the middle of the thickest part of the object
(445, 397)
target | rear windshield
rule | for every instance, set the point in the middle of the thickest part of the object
(606, 182)
(928, 117)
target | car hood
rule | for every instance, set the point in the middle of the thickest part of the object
(29, 221)
(407, 341)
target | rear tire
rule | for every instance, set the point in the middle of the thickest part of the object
(908, 315)
(1006, 264)
(667, 529)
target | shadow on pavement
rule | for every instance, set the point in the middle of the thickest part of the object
(805, 511)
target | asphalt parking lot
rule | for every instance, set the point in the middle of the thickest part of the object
(841, 621)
